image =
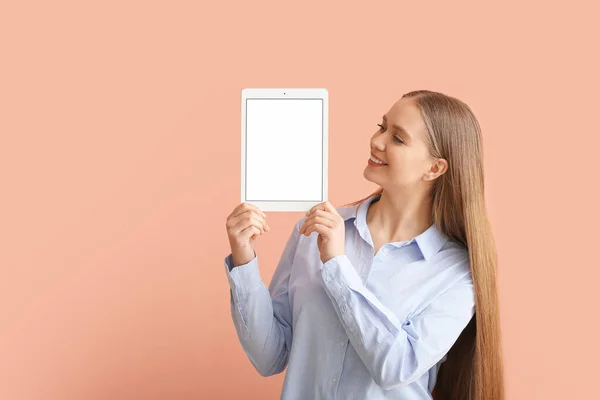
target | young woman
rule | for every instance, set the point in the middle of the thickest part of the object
(390, 297)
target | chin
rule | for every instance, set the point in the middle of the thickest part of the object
(366, 174)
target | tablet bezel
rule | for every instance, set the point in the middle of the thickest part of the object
(283, 93)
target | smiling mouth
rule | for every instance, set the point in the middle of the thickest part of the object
(373, 164)
(376, 161)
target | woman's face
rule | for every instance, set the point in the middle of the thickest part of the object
(400, 142)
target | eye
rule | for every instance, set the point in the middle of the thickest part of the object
(396, 138)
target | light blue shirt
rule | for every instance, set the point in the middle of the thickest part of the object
(359, 326)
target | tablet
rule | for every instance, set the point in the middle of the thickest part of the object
(284, 148)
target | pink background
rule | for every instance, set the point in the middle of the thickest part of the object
(119, 164)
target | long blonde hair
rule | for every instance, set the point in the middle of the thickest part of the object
(474, 368)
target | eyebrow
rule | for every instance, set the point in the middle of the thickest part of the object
(398, 128)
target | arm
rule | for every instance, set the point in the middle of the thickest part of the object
(262, 317)
(396, 352)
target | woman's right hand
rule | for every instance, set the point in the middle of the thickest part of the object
(244, 224)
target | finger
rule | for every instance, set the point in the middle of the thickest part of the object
(321, 213)
(250, 232)
(249, 219)
(319, 228)
(329, 207)
(243, 207)
(319, 206)
(305, 224)
(323, 221)
(234, 221)
(331, 212)
(317, 221)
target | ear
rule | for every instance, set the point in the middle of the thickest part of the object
(437, 168)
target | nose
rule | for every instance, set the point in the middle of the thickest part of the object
(377, 142)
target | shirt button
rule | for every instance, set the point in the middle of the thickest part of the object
(334, 379)
(343, 308)
(342, 343)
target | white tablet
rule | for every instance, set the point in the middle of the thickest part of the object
(284, 148)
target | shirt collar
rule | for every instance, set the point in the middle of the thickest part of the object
(429, 242)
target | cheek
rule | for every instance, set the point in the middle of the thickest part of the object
(405, 171)
(408, 167)
(403, 160)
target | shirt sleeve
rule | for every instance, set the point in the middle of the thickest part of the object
(396, 352)
(262, 317)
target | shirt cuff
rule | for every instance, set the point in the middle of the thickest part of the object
(244, 278)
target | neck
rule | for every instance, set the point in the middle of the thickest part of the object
(400, 217)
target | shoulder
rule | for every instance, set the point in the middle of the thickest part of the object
(454, 257)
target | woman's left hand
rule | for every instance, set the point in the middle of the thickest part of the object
(329, 224)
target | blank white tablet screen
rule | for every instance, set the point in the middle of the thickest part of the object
(284, 150)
